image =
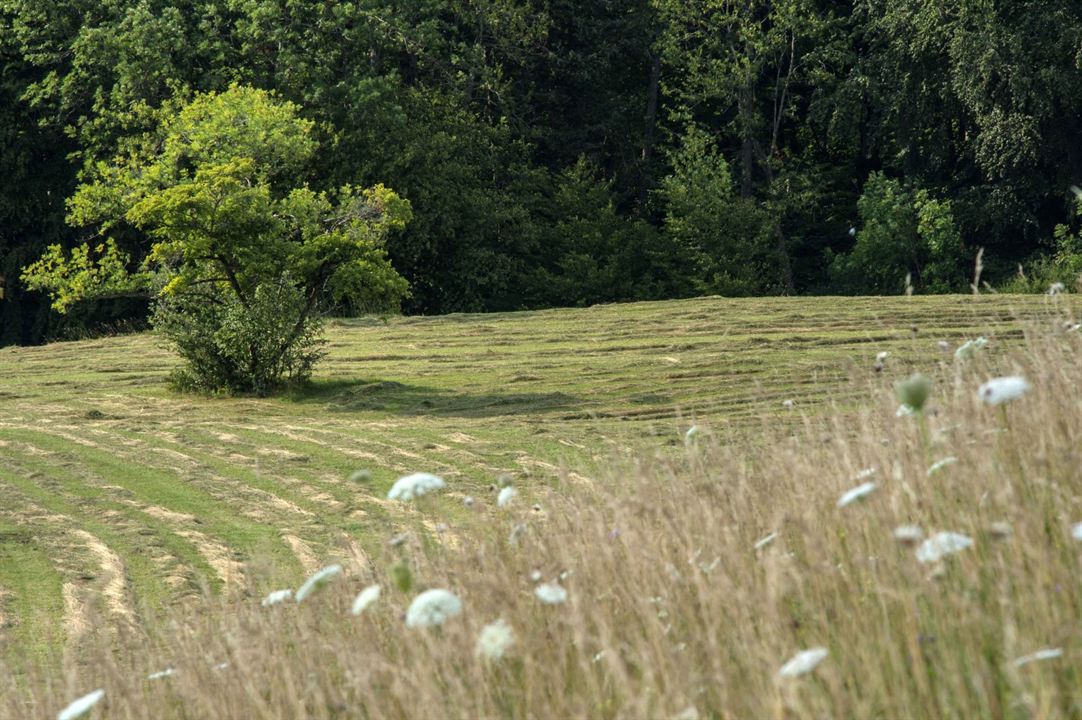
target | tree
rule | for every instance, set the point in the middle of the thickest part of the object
(215, 190)
(905, 234)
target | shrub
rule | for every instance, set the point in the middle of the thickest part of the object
(231, 347)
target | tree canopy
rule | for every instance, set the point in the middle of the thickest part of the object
(211, 189)
(552, 152)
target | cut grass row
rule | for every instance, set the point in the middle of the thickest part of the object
(179, 486)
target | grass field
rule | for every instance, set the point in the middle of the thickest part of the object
(122, 500)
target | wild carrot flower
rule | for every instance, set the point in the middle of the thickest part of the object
(803, 662)
(908, 534)
(317, 581)
(365, 598)
(1045, 654)
(1076, 531)
(551, 593)
(940, 464)
(970, 348)
(942, 544)
(432, 608)
(415, 485)
(81, 706)
(507, 494)
(860, 491)
(688, 713)
(278, 596)
(914, 391)
(495, 640)
(764, 541)
(1003, 389)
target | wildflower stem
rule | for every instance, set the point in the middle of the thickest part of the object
(925, 440)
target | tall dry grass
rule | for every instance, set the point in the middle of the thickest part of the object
(672, 610)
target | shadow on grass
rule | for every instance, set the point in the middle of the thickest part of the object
(401, 399)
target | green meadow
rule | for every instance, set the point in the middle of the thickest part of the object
(122, 500)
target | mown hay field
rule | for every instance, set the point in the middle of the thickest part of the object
(124, 503)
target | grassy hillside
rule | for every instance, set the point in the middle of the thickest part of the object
(121, 499)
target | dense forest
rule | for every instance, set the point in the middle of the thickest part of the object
(568, 153)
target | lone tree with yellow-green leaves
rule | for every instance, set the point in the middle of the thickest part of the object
(241, 259)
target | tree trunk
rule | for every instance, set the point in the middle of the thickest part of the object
(650, 118)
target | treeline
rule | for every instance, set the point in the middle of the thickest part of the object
(569, 153)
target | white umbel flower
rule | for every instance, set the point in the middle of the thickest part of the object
(1076, 531)
(432, 608)
(415, 485)
(506, 495)
(908, 534)
(803, 662)
(551, 593)
(278, 596)
(688, 713)
(942, 544)
(970, 348)
(1045, 654)
(1003, 389)
(316, 581)
(365, 598)
(764, 541)
(940, 464)
(495, 640)
(860, 491)
(81, 706)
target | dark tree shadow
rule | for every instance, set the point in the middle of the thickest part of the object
(401, 399)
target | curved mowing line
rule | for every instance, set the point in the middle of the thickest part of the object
(223, 469)
(155, 487)
(148, 585)
(79, 498)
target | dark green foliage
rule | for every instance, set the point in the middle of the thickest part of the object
(904, 237)
(545, 146)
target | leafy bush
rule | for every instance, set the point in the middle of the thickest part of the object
(904, 233)
(229, 346)
(1062, 267)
